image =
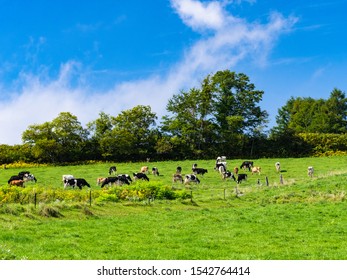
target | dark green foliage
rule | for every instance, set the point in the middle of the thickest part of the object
(308, 115)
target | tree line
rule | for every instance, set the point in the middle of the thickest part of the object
(220, 117)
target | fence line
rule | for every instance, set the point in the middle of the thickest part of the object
(196, 192)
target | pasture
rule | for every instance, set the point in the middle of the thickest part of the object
(297, 218)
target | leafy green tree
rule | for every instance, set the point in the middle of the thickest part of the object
(100, 126)
(337, 111)
(309, 115)
(217, 115)
(133, 134)
(60, 140)
(100, 130)
(190, 126)
(236, 103)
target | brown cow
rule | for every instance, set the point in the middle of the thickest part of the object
(256, 169)
(144, 169)
(19, 183)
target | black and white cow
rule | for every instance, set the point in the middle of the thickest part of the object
(78, 182)
(198, 171)
(29, 177)
(68, 177)
(191, 178)
(241, 177)
(177, 177)
(227, 174)
(141, 176)
(310, 171)
(117, 180)
(278, 166)
(155, 171)
(112, 170)
(220, 167)
(23, 175)
(125, 176)
(178, 170)
(247, 165)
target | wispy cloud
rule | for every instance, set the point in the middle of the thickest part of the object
(199, 15)
(228, 41)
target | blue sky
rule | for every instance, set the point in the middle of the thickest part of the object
(91, 56)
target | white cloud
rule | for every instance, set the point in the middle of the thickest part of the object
(231, 40)
(199, 15)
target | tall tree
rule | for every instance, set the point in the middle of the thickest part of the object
(133, 135)
(189, 125)
(217, 116)
(100, 130)
(236, 103)
(309, 115)
(337, 111)
(60, 140)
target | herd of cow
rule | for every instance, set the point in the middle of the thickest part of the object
(21, 178)
(121, 179)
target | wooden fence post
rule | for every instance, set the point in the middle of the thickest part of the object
(35, 199)
(90, 198)
(267, 181)
(281, 179)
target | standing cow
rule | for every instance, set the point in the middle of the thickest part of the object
(78, 182)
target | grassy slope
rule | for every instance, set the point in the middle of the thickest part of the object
(302, 219)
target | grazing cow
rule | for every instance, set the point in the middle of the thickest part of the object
(220, 167)
(68, 177)
(141, 176)
(100, 180)
(191, 179)
(236, 170)
(256, 169)
(178, 170)
(19, 183)
(278, 166)
(112, 170)
(195, 165)
(155, 171)
(144, 169)
(29, 177)
(23, 173)
(14, 178)
(126, 176)
(177, 177)
(310, 171)
(78, 182)
(228, 174)
(241, 177)
(109, 181)
(247, 165)
(118, 180)
(201, 171)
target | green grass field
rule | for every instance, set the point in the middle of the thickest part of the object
(302, 219)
